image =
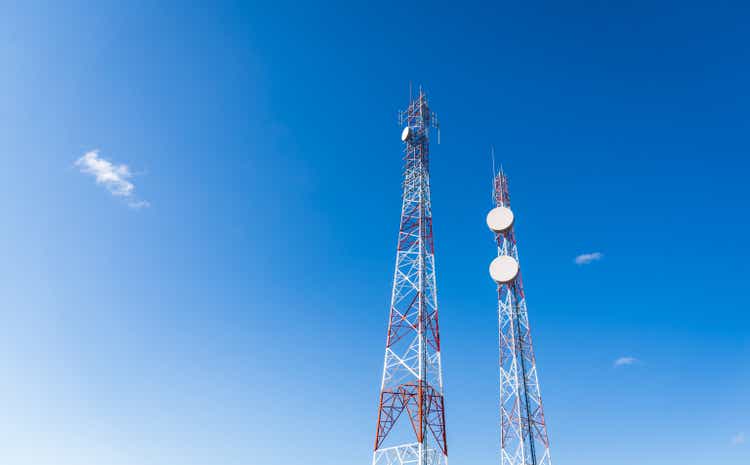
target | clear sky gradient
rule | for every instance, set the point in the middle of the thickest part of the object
(220, 296)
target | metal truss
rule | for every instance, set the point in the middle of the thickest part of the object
(523, 436)
(411, 412)
(406, 454)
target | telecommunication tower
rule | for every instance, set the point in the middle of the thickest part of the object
(523, 432)
(411, 410)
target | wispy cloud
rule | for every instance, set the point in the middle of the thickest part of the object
(623, 361)
(738, 439)
(115, 178)
(586, 258)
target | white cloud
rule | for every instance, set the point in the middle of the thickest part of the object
(738, 439)
(115, 178)
(623, 361)
(586, 258)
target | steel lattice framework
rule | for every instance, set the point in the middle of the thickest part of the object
(411, 412)
(523, 436)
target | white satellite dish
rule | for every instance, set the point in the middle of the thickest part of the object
(406, 134)
(500, 219)
(504, 269)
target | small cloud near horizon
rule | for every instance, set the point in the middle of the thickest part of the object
(738, 439)
(115, 178)
(624, 361)
(586, 258)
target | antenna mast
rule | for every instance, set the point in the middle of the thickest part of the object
(523, 431)
(411, 411)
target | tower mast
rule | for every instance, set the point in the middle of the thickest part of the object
(523, 431)
(411, 410)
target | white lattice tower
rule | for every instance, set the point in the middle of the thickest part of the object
(523, 436)
(411, 415)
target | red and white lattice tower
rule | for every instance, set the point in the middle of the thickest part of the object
(523, 432)
(411, 411)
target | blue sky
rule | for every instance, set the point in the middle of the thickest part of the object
(229, 307)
